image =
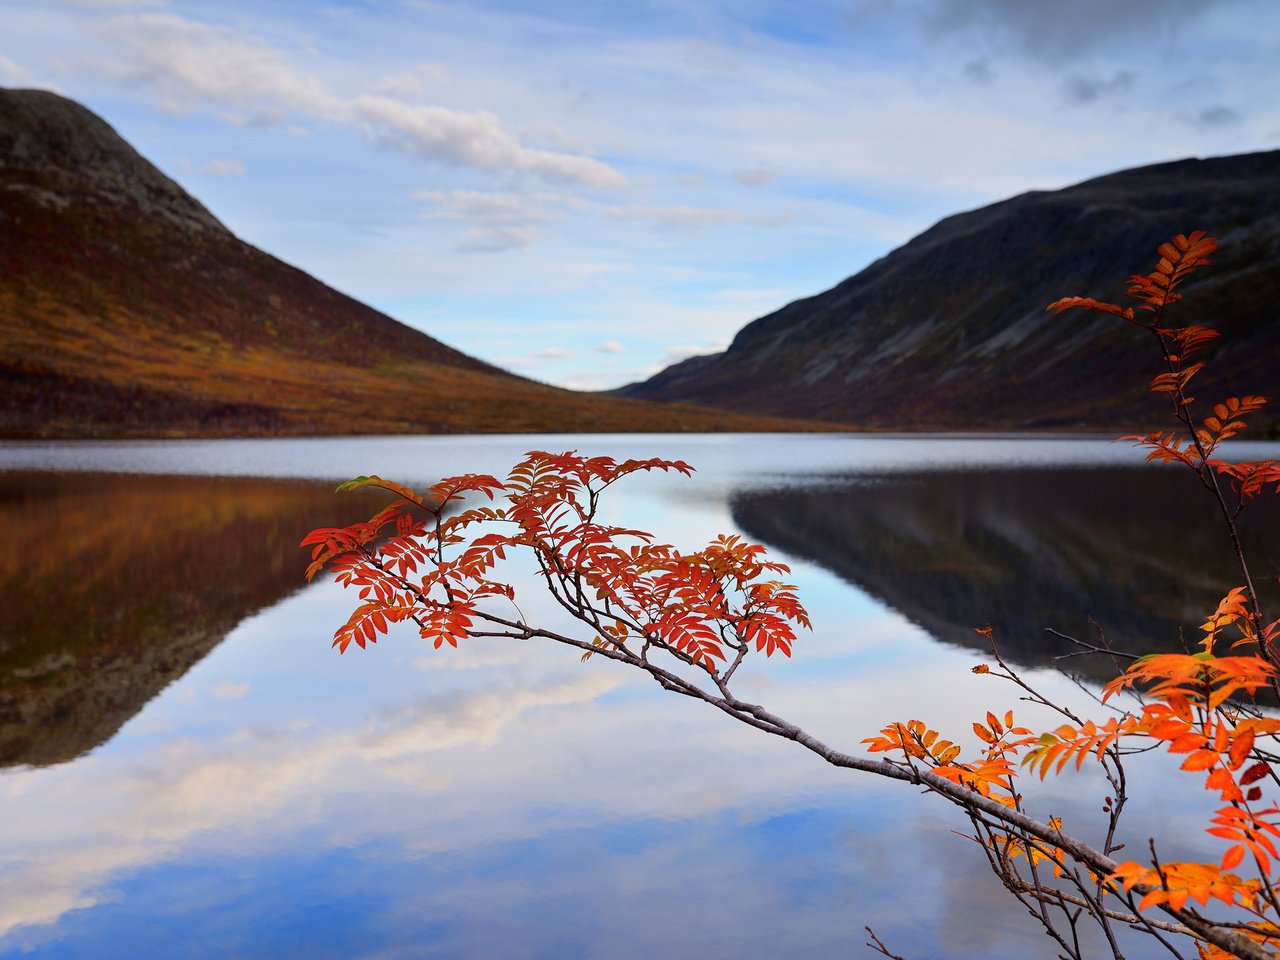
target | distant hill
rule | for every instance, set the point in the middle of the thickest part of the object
(128, 309)
(949, 330)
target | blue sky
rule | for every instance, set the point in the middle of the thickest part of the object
(586, 192)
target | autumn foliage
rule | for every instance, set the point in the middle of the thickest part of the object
(432, 558)
(417, 561)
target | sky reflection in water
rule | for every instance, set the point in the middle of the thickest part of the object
(504, 799)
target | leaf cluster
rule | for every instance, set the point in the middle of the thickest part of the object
(1198, 707)
(419, 560)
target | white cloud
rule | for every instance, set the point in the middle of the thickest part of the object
(499, 220)
(597, 380)
(40, 892)
(224, 168)
(230, 690)
(414, 82)
(184, 63)
(474, 206)
(168, 797)
(543, 134)
(470, 140)
(537, 358)
(610, 346)
(255, 120)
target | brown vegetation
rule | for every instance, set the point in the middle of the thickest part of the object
(128, 310)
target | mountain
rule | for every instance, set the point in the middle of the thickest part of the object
(128, 309)
(949, 330)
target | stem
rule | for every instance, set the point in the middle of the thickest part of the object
(1209, 477)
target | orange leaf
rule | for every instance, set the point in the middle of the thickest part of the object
(1240, 748)
(1220, 779)
(1187, 742)
(1231, 859)
(1200, 760)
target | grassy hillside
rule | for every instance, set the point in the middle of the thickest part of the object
(128, 310)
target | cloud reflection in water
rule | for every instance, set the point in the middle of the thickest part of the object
(508, 800)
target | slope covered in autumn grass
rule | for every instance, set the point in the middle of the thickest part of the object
(128, 309)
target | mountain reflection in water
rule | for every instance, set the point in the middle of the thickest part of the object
(126, 582)
(122, 583)
(1140, 552)
(270, 798)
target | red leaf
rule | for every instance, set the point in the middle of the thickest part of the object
(1255, 773)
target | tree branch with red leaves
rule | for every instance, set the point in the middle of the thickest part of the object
(689, 620)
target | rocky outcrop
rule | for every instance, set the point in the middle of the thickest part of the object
(41, 131)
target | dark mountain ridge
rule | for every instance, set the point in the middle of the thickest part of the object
(949, 331)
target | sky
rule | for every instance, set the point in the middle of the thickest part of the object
(584, 192)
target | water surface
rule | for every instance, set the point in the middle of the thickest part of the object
(190, 769)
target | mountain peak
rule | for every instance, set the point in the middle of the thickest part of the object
(68, 152)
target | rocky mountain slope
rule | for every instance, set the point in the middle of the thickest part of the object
(949, 330)
(128, 309)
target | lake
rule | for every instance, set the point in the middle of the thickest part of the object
(190, 771)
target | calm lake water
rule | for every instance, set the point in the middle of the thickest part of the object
(190, 771)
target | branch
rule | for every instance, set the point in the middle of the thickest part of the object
(879, 946)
